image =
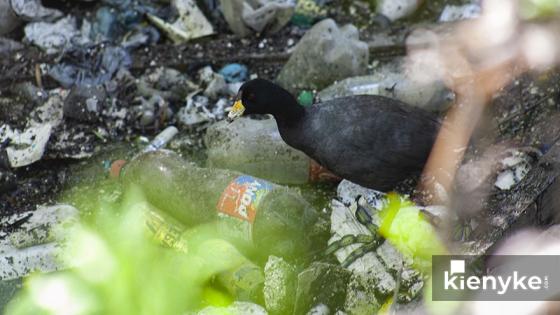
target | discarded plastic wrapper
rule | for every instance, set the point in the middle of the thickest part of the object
(17, 263)
(36, 245)
(28, 146)
(52, 37)
(191, 22)
(195, 112)
(244, 17)
(234, 73)
(271, 15)
(102, 63)
(46, 224)
(33, 10)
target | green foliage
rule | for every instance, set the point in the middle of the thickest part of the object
(120, 269)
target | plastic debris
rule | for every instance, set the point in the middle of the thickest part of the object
(196, 111)
(85, 103)
(397, 9)
(169, 83)
(83, 66)
(361, 296)
(325, 54)
(460, 12)
(190, 24)
(234, 73)
(344, 222)
(499, 165)
(305, 98)
(52, 37)
(153, 111)
(17, 263)
(515, 167)
(215, 195)
(321, 283)
(279, 286)
(27, 146)
(255, 147)
(44, 225)
(394, 81)
(33, 10)
(215, 83)
(245, 16)
(36, 245)
(106, 23)
(378, 266)
(161, 139)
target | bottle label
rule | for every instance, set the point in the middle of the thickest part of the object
(165, 232)
(237, 207)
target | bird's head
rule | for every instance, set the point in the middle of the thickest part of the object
(260, 96)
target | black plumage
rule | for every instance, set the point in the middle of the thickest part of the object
(371, 140)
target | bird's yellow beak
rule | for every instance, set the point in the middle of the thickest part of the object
(236, 111)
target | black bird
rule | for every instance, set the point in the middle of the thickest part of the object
(371, 140)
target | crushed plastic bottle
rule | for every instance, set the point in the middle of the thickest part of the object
(259, 217)
(255, 147)
(325, 53)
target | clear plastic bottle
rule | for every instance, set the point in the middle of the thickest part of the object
(254, 146)
(394, 81)
(259, 217)
(238, 275)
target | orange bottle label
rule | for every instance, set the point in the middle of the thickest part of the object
(238, 205)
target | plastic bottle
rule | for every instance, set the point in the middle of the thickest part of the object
(240, 277)
(393, 80)
(255, 147)
(257, 216)
(159, 141)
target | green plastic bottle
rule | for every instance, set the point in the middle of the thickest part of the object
(259, 217)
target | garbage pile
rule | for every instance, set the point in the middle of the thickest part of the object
(85, 86)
